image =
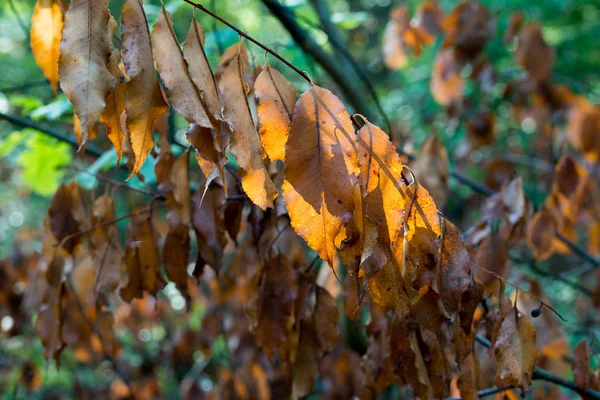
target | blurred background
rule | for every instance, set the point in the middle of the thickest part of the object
(33, 164)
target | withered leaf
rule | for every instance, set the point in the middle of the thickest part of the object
(515, 350)
(46, 34)
(142, 258)
(175, 255)
(201, 73)
(245, 141)
(84, 57)
(447, 84)
(144, 101)
(172, 67)
(432, 169)
(276, 98)
(272, 309)
(533, 54)
(321, 170)
(585, 376)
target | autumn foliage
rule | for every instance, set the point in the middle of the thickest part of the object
(314, 245)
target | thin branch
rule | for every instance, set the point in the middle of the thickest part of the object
(332, 32)
(18, 18)
(347, 84)
(578, 250)
(106, 223)
(25, 86)
(486, 392)
(518, 288)
(250, 38)
(28, 123)
(113, 182)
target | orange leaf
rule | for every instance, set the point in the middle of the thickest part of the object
(321, 170)
(276, 98)
(144, 102)
(245, 143)
(46, 34)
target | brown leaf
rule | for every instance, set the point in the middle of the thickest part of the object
(585, 376)
(533, 54)
(105, 245)
(481, 129)
(276, 98)
(183, 94)
(583, 128)
(447, 84)
(210, 160)
(272, 308)
(468, 28)
(84, 57)
(176, 254)
(428, 21)
(67, 216)
(515, 351)
(45, 35)
(209, 224)
(142, 258)
(399, 38)
(432, 168)
(245, 141)
(144, 101)
(321, 170)
(540, 234)
(201, 74)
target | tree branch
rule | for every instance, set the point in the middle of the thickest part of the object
(336, 40)
(28, 123)
(348, 84)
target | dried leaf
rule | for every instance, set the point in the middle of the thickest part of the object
(84, 58)
(515, 351)
(321, 170)
(144, 101)
(585, 376)
(468, 28)
(46, 34)
(142, 258)
(533, 54)
(447, 84)
(183, 94)
(201, 73)
(432, 169)
(245, 141)
(276, 98)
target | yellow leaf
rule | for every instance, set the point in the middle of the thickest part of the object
(84, 52)
(276, 98)
(321, 170)
(245, 143)
(46, 33)
(144, 101)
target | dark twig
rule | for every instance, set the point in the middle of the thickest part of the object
(486, 392)
(28, 123)
(20, 88)
(106, 223)
(332, 32)
(347, 84)
(18, 18)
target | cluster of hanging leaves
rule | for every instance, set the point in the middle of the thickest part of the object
(225, 241)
